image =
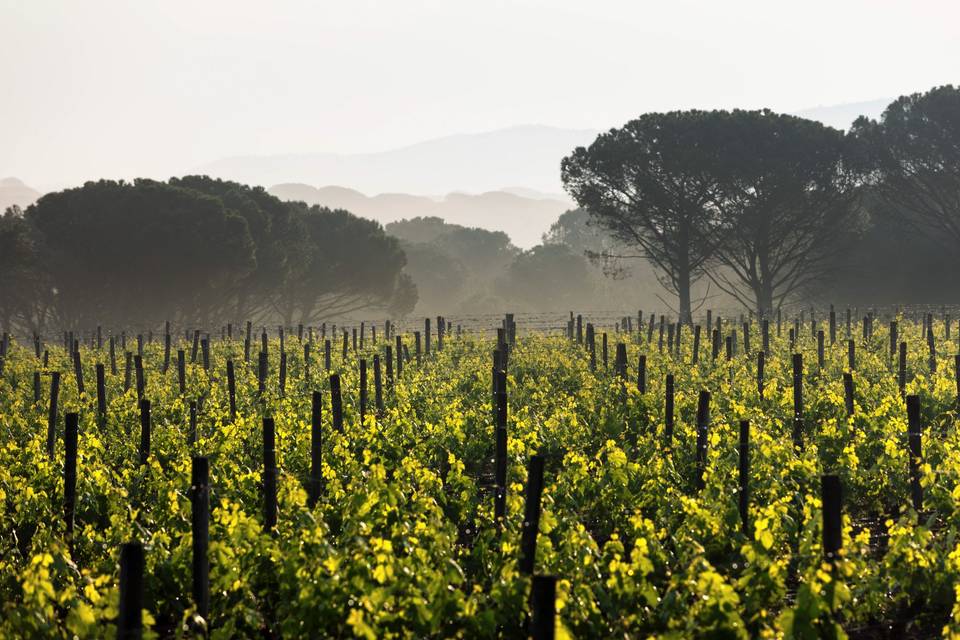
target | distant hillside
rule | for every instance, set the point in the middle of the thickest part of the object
(841, 116)
(14, 192)
(526, 155)
(524, 219)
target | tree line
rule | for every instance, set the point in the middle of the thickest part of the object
(752, 207)
(192, 250)
(768, 207)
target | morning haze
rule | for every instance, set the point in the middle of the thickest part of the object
(121, 89)
(443, 123)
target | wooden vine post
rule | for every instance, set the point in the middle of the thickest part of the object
(668, 411)
(315, 485)
(543, 607)
(71, 423)
(830, 492)
(130, 616)
(531, 514)
(336, 402)
(200, 524)
(743, 494)
(798, 400)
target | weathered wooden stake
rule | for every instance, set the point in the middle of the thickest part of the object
(761, 363)
(798, 400)
(668, 411)
(696, 344)
(130, 618)
(830, 492)
(543, 608)
(78, 372)
(232, 389)
(399, 355)
(144, 431)
(820, 351)
(531, 515)
(71, 422)
(200, 525)
(262, 370)
(388, 357)
(315, 486)
(642, 373)
(743, 495)
(363, 390)
(336, 402)
(140, 375)
(181, 372)
(902, 369)
(196, 346)
(848, 392)
(101, 396)
(377, 385)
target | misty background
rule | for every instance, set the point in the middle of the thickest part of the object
(444, 123)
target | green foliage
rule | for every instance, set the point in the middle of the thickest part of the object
(137, 251)
(913, 158)
(193, 250)
(402, 542)
(545, 277)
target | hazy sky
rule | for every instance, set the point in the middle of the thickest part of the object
(142, 87)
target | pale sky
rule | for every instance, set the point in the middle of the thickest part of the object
(118, 88)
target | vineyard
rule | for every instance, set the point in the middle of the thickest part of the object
(795, 476)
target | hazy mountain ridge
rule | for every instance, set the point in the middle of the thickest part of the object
(527, 155)
(841, 116)
(14, 192)
(524, 219)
